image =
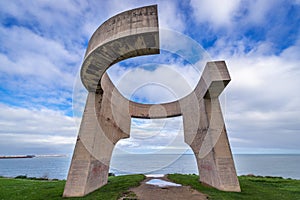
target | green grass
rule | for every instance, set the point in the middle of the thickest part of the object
(254, 188)
(42, 189)
(30, 189)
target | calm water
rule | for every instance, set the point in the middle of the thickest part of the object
(287, 166)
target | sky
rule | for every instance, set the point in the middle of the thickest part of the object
(42, 44)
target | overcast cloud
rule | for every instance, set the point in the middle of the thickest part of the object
(43, 44)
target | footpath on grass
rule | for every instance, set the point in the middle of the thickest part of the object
(160, 188)
(253, 188)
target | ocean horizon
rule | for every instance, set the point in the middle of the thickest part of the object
(56, 167)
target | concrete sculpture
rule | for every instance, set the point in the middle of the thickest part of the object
(107, 115)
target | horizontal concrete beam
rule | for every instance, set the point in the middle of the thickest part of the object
(214, 79)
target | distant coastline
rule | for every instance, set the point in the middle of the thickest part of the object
(17, 156)
(31, 156)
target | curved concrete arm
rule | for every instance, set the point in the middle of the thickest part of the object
(128, 34)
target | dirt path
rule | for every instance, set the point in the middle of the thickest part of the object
(153, 192)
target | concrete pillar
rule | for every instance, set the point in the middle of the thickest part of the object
(91, 158)
(216, 167)
(205, 132)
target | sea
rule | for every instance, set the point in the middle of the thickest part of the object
(53, 167)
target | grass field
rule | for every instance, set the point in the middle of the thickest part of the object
(252, 188)
(19, 189)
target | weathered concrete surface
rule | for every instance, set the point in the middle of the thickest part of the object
(128, 34)
(107, 115)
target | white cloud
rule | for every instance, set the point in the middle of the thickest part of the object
(262, 101)
(157, 85)
(33, 121)
(219, 13)
(170, 16)
(155, 136)
(48, 15)
(257, 10)
(37, 139)
(28, 54)
(35, 129)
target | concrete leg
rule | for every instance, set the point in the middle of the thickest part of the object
(215, 164)
(91, 158)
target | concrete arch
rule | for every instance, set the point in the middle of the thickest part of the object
(107, 114)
